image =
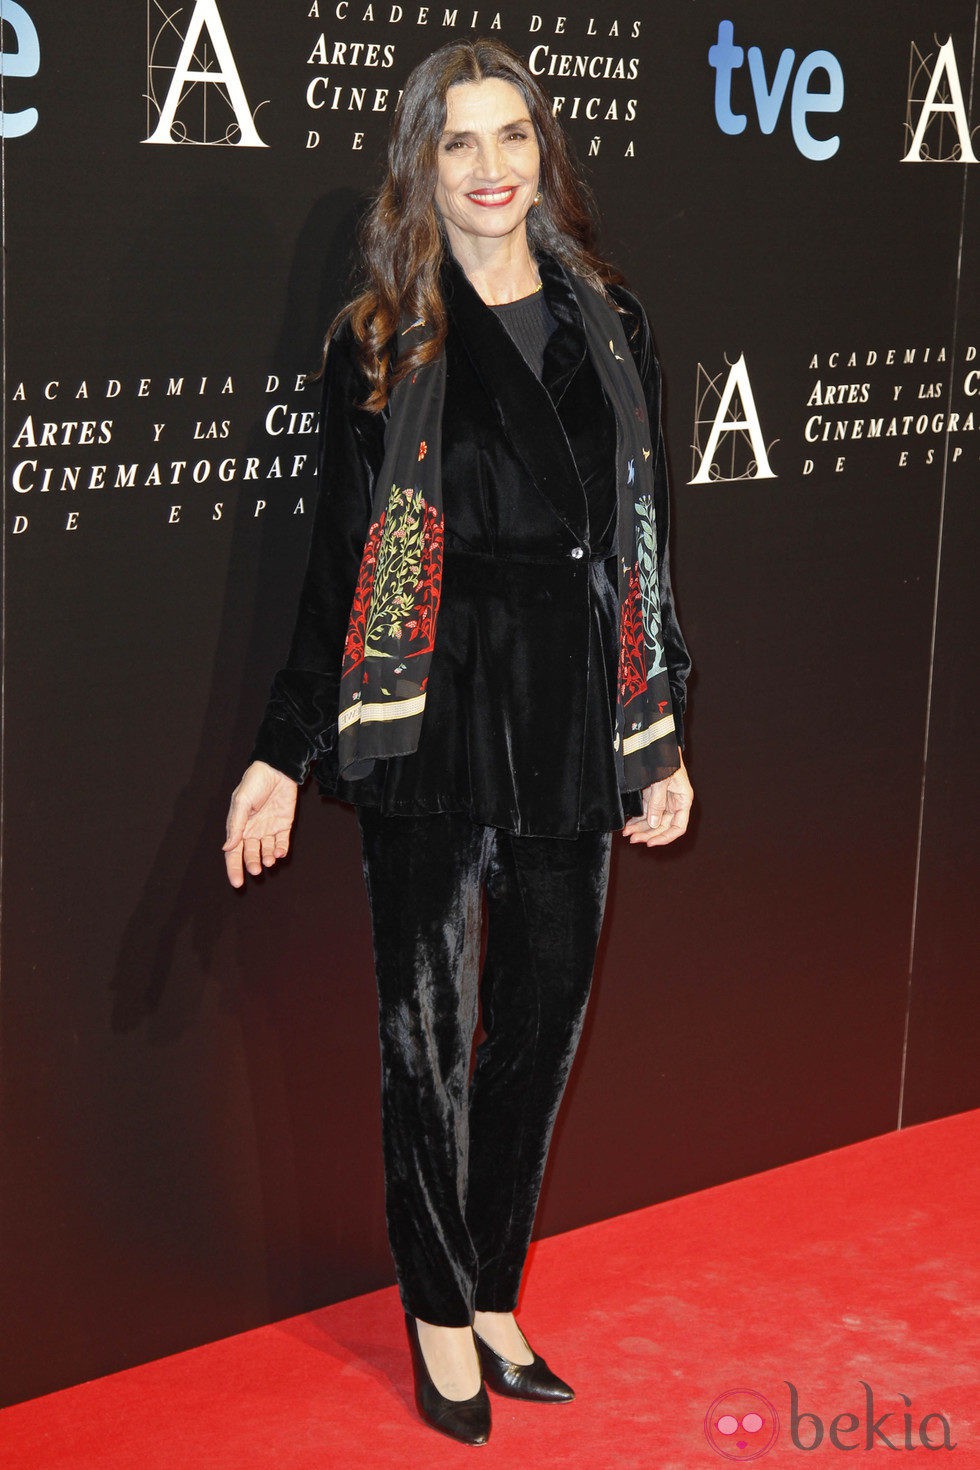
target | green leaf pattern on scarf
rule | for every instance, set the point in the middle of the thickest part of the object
(398, 571)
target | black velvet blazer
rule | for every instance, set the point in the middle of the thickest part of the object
(529, 590)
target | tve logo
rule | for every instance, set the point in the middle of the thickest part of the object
(23, 60)
(726, 58)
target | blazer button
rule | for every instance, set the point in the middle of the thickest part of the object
(577, 552)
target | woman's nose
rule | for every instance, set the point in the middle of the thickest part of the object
(491, 162)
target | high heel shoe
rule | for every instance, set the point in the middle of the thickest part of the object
(533, 1380)
(467, 1420)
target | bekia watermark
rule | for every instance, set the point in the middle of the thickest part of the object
(743, 1425)
(932, 1431)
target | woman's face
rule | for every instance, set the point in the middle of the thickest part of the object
(489, 161)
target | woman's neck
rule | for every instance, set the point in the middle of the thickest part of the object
(498, 270)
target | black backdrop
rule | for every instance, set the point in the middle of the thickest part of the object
(190, 1074)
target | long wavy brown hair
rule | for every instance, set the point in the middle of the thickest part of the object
(402, 239)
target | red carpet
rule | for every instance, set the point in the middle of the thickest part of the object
(856, 1267)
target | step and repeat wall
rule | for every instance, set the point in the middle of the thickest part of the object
(190, 1074)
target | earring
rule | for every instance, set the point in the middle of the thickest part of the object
(537, 198)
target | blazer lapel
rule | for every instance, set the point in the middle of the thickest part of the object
(566, 351)
(524, 405)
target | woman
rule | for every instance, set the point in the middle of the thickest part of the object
(487, 664)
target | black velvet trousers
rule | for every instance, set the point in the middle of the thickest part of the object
(464, 1155)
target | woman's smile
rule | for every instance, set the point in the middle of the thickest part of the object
(492, 198)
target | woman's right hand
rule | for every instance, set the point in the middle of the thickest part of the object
(260, 818)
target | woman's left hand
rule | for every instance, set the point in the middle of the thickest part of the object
(666, 810)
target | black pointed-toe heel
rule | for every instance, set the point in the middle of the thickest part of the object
(533, 1380)
(467, 1420)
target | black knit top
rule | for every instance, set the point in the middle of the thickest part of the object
(530, 323)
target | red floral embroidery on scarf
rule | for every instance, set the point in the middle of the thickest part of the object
(632, 653)
(415, 633)
(429, 586)
(423, 449)
(354, 643)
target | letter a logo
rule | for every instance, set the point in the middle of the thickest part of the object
(747, 457)
(943, 96)
(205, 101)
